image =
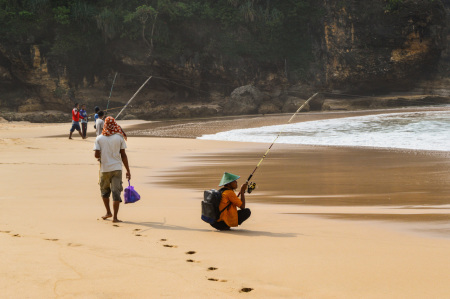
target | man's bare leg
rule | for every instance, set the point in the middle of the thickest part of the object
(108, 209)
(70, 135)
(116, 205)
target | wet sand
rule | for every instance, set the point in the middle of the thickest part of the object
(392, 185)
(330, 176)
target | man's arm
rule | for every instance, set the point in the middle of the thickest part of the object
(243, 188)
(125, 163)
(97, 154)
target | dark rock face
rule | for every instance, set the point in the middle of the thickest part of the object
(370, 48)
(37, 117)
(26, 84)
(244, 100)
(293, 103)
(444, 63)
(269, 108)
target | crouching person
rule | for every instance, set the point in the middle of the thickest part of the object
(231, 217)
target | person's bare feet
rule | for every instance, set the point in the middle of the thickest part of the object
(106, 216)
(70, 137)
(116, 220)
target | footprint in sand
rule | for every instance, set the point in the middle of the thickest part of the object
(245, 290)
(73, 245)
(137, 229)
(163, 240)
(212, 268)
(215, 279)
(191, 252)
(52, 239)
(16, 235)
(116, 225)
(138, 235)
(170, 246)
(192, 261)
(5, 231)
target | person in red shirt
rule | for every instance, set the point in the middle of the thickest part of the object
(76, 121)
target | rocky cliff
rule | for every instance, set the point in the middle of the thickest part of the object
(370, 47)
(360, 47)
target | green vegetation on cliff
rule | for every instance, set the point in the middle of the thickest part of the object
(79, 36)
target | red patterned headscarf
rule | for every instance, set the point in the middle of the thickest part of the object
(111, 127)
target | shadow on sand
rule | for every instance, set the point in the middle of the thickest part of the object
(249, 233)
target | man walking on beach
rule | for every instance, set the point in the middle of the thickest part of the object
(229, 203)
(75, 121)
(109, 149)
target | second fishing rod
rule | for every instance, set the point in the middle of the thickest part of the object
(251, 185)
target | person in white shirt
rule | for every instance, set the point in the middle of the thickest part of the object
(109, 149)
(99, 123)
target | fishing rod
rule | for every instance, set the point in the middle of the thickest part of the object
(133, 96)
(109, 98)
(252, 186)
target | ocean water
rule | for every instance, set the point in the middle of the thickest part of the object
(422, 130)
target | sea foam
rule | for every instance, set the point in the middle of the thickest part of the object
(424, 130)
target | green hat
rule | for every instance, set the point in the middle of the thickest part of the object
(228, 178)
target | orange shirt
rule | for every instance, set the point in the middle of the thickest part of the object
(230, 215)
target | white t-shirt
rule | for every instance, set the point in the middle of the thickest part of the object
(110, 147)
(99, 126)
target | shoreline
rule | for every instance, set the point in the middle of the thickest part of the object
(192, 128)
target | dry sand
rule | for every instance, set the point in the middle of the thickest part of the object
(54, 244)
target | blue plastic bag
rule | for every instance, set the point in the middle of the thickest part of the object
(130, 194)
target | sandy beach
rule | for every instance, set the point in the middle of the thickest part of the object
(367, 224)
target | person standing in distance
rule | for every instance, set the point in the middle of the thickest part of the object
(75, 121)
(96, 110)
(109, 149)
(99, 123)
(84, 120)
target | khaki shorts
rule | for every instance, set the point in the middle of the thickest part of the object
(111, 182)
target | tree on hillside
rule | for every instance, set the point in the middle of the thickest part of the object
(143, 13)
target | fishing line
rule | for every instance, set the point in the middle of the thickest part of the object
(183, 85)
(173, 81)
(115, 108)
(252, 186)
(395, 98)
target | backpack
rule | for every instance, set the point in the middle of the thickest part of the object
(210, 205)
